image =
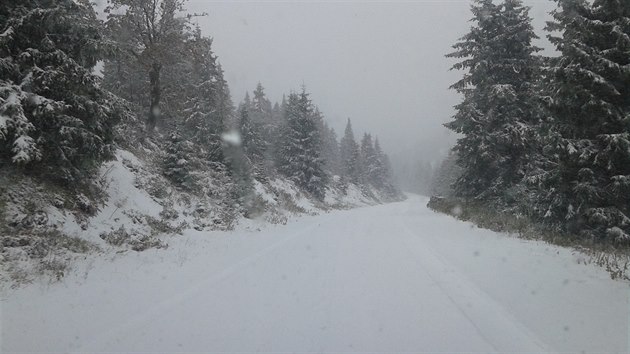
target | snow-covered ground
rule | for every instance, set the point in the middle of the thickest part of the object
(387, 278)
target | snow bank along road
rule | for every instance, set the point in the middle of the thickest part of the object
(389, 278)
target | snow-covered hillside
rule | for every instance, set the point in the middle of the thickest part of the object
(387, 278)
(136, 208)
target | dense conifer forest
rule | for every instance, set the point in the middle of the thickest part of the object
(546, 138)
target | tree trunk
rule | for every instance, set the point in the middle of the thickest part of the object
(156, 92)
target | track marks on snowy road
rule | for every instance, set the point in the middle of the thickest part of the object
(155, 311)
(493, 323)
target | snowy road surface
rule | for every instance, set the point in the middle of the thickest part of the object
(389, 278)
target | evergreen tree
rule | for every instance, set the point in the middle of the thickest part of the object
(251, 141)
(177, 164)
(350, 155)
(588, 186)
(247, 102)
(261, 106)
(299, 155)
(381, 171)
(369, 160)
(276, 115)
(383, 176)
(204, 117)
(497, 116)
(240, 170)
(330, 149)
(224, 110)
(54, 117)
(445, 177)
(261, 115)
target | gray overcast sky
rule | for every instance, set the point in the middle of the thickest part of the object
(381, 64)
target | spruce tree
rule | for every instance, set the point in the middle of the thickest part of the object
(588, 187)
(497, 116)
(445, 176)
(204, 121)
(261, 115)
(330, 149)
(224, 109)
(381, 170)
(369, 160)
(261, 106)
(252, 142)
(276, 116)
(383, 175)
(350, 155)
(239, 168)
(54, 117)
(299, 153)
(177, 164)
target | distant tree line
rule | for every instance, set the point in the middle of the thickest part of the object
(163, 87)
(548, 137)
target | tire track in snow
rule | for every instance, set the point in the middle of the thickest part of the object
(189, 293)
(497, 326)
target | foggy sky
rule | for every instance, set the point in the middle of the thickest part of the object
(381, 64)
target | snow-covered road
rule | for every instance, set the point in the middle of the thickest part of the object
(389, 278)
